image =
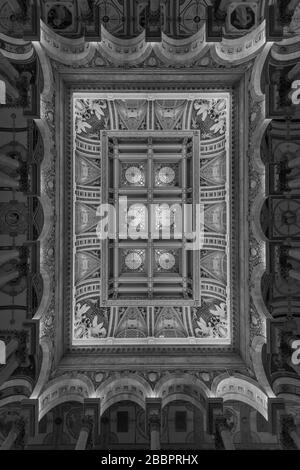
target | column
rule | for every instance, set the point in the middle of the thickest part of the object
(8, 68)
(294, 163)
(9, 182)
(5, 278)
(153, 419)
(8, 255)
(6, 371)
(10, 89)
(289, 427)
(9, 162)
(8, 349)
(294, 183)
(294, 253)
(16, 430)
(104, 433)
(85, 430)
(225, 434)
(154, 428)
(12, 347)
(30, 414)
(294, 274)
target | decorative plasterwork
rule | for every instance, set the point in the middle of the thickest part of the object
(191, 347)
(181, 52)
(98, 320)
(101, 65)
(241, 49)
(50, 312)
(246, 391)
(65, 50)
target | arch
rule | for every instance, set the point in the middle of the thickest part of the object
(112, 48)
(48, 222)
(183, 398)
(46, 69)
(12, 399)
(243, 389)
(259, 166)
(122, 397)
(66, 50)
(19, 50)
(44, 199)
(182, 378)
(256, 91)
(256, 350)
(17, 383)
(256, 211)
(130, 388)
(262, 224)
(258, 300)
(60, 401)
(46, 347)
(287, 386)
(290, 53)
(188, 387)
(183, 50)
(241, 49)
(64, 389)
(290, 399)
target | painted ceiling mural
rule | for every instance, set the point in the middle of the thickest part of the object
(177, 102)
(209, 318)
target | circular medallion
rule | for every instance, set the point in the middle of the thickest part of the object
(133, 175)
(133, 261)
(166, 261)
(12, 218)
(166, 175)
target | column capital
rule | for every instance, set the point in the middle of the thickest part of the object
(214, 408)
(153, 403)
(154, 419)
(221, 423)
(153, 412)
(87, 423)
(92, 407)
(223, 435)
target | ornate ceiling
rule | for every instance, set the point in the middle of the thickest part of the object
(182, 103)
(163, 156)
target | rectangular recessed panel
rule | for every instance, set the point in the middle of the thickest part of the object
(149, 178)
(151, 219)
